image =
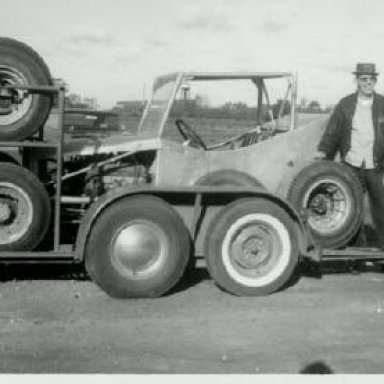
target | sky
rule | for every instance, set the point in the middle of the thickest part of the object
(113, 49)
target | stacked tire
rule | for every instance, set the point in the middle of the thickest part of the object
(24, 209)
(24, 202)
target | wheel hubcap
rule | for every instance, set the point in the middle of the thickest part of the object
(5, 212)
(319, 205)
(252, 248)
(18, 102)
(256, 249)
(328, 206)
(16, 213)
(139, 248)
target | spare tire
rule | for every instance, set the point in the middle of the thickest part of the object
(24, 209)
(330, 195)
(22, 113)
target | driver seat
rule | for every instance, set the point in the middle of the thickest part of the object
(239, 141)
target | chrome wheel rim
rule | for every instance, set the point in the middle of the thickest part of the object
(256, 250)
(328, 206)
(139, 249)
(10, 76)
(16, 213)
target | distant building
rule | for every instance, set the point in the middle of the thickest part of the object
(91, 102)
(129, 104)
(74, 98)
(132, 107)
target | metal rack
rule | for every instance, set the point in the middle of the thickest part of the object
(56, 254)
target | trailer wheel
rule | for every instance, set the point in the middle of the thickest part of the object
(22, 113)
(330, 195)
(138, 247)
(24, 209)
(251, 247)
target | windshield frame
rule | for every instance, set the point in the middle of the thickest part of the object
(180, 77)
(159, 82)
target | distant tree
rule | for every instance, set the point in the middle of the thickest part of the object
(311, 107)
(328, 108)
(199, 100)
(74, 100)
(129, 107)
(303, 103)
(286, 105)
(314, 105)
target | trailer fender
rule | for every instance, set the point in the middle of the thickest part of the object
(305, 240)
(90, 216)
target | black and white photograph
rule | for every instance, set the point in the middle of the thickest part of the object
(192, 188)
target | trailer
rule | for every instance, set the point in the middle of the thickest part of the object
(136, 210)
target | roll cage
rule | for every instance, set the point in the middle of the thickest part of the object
(166, 88)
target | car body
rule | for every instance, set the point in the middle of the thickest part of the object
(269, 153)
(272, 160)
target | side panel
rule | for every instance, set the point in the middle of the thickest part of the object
(273, 162)
(276, 161)
(180, 166)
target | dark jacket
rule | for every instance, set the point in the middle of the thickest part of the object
(337, 136)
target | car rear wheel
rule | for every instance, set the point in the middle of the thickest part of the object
(137, 247)
(251, 247)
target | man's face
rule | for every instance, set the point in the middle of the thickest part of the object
(366, 84)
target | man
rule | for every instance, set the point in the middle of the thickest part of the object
(356, 130)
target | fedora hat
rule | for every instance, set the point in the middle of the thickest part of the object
(365, 69)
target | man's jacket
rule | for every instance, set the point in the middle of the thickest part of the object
(337, 136)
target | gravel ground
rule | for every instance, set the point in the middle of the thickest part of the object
(53, 323)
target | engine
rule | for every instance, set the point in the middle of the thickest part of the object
(94, 175)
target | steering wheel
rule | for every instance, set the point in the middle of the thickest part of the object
(189, 135)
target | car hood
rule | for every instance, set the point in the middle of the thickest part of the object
(111, 144)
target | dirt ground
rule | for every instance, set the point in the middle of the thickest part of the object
(53, 323)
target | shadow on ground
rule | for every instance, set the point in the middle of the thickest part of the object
(332, 267)
(20, 272)
(317, 367)
(192, 277)
(42, 272)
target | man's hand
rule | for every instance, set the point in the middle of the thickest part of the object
(319, 155)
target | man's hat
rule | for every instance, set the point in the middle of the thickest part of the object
(365, 69)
